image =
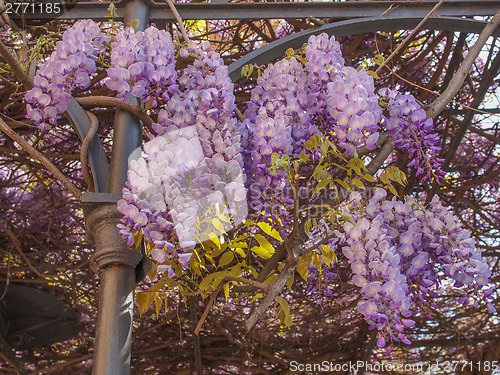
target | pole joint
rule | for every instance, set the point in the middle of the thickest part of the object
(101, 217)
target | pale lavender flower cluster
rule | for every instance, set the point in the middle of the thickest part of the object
(400, 251)
(152, 180)
(67, 68)
(407, 121)
(354, 109)
(277, 102)
(191, 173)
(143, 65)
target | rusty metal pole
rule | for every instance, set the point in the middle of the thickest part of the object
(113, 260)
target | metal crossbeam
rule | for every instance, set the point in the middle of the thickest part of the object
(274, 10)
(277, 48)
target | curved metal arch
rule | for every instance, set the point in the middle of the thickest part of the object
(277, 48)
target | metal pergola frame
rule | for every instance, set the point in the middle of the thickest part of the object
(115, 262)
(225, 10)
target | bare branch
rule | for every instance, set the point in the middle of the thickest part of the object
(273, 291)
(458, 79)
(35, 154)
(96, 101)
(379, 69)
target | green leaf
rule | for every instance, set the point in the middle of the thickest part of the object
(270, 231)
(226, 258)
(285, 316)
(289, 53)
(144, 300)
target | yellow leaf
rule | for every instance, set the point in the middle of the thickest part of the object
(373, 74)
(393, 190)
(218, 225)
(384, 177)
(214, 239)
(265, 248)
(134, 24)
(322, 184)
(137, 239)
(158, 302)
(328, 255)
(270, 279)
(144, 300)
(343, 184)
(205, 283)
(316, 261)
(240, 252)
(256, 297)
(235, 245)
(369, 178)
(302, 269)
(226, 290)
(270, 231)
(226, 258)
(285, 309)
(262, 252)
(290, 281)
(359, 184)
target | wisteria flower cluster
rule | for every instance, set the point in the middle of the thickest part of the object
(295, 99)
(69, 67)
(408, 122)
(142, 64)
(401, 253)
(191, 173)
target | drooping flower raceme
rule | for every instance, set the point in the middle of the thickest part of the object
(67, 68)
(295, 99)
(188, 184)
(400, 253)
(143, 65)
(408, 122)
